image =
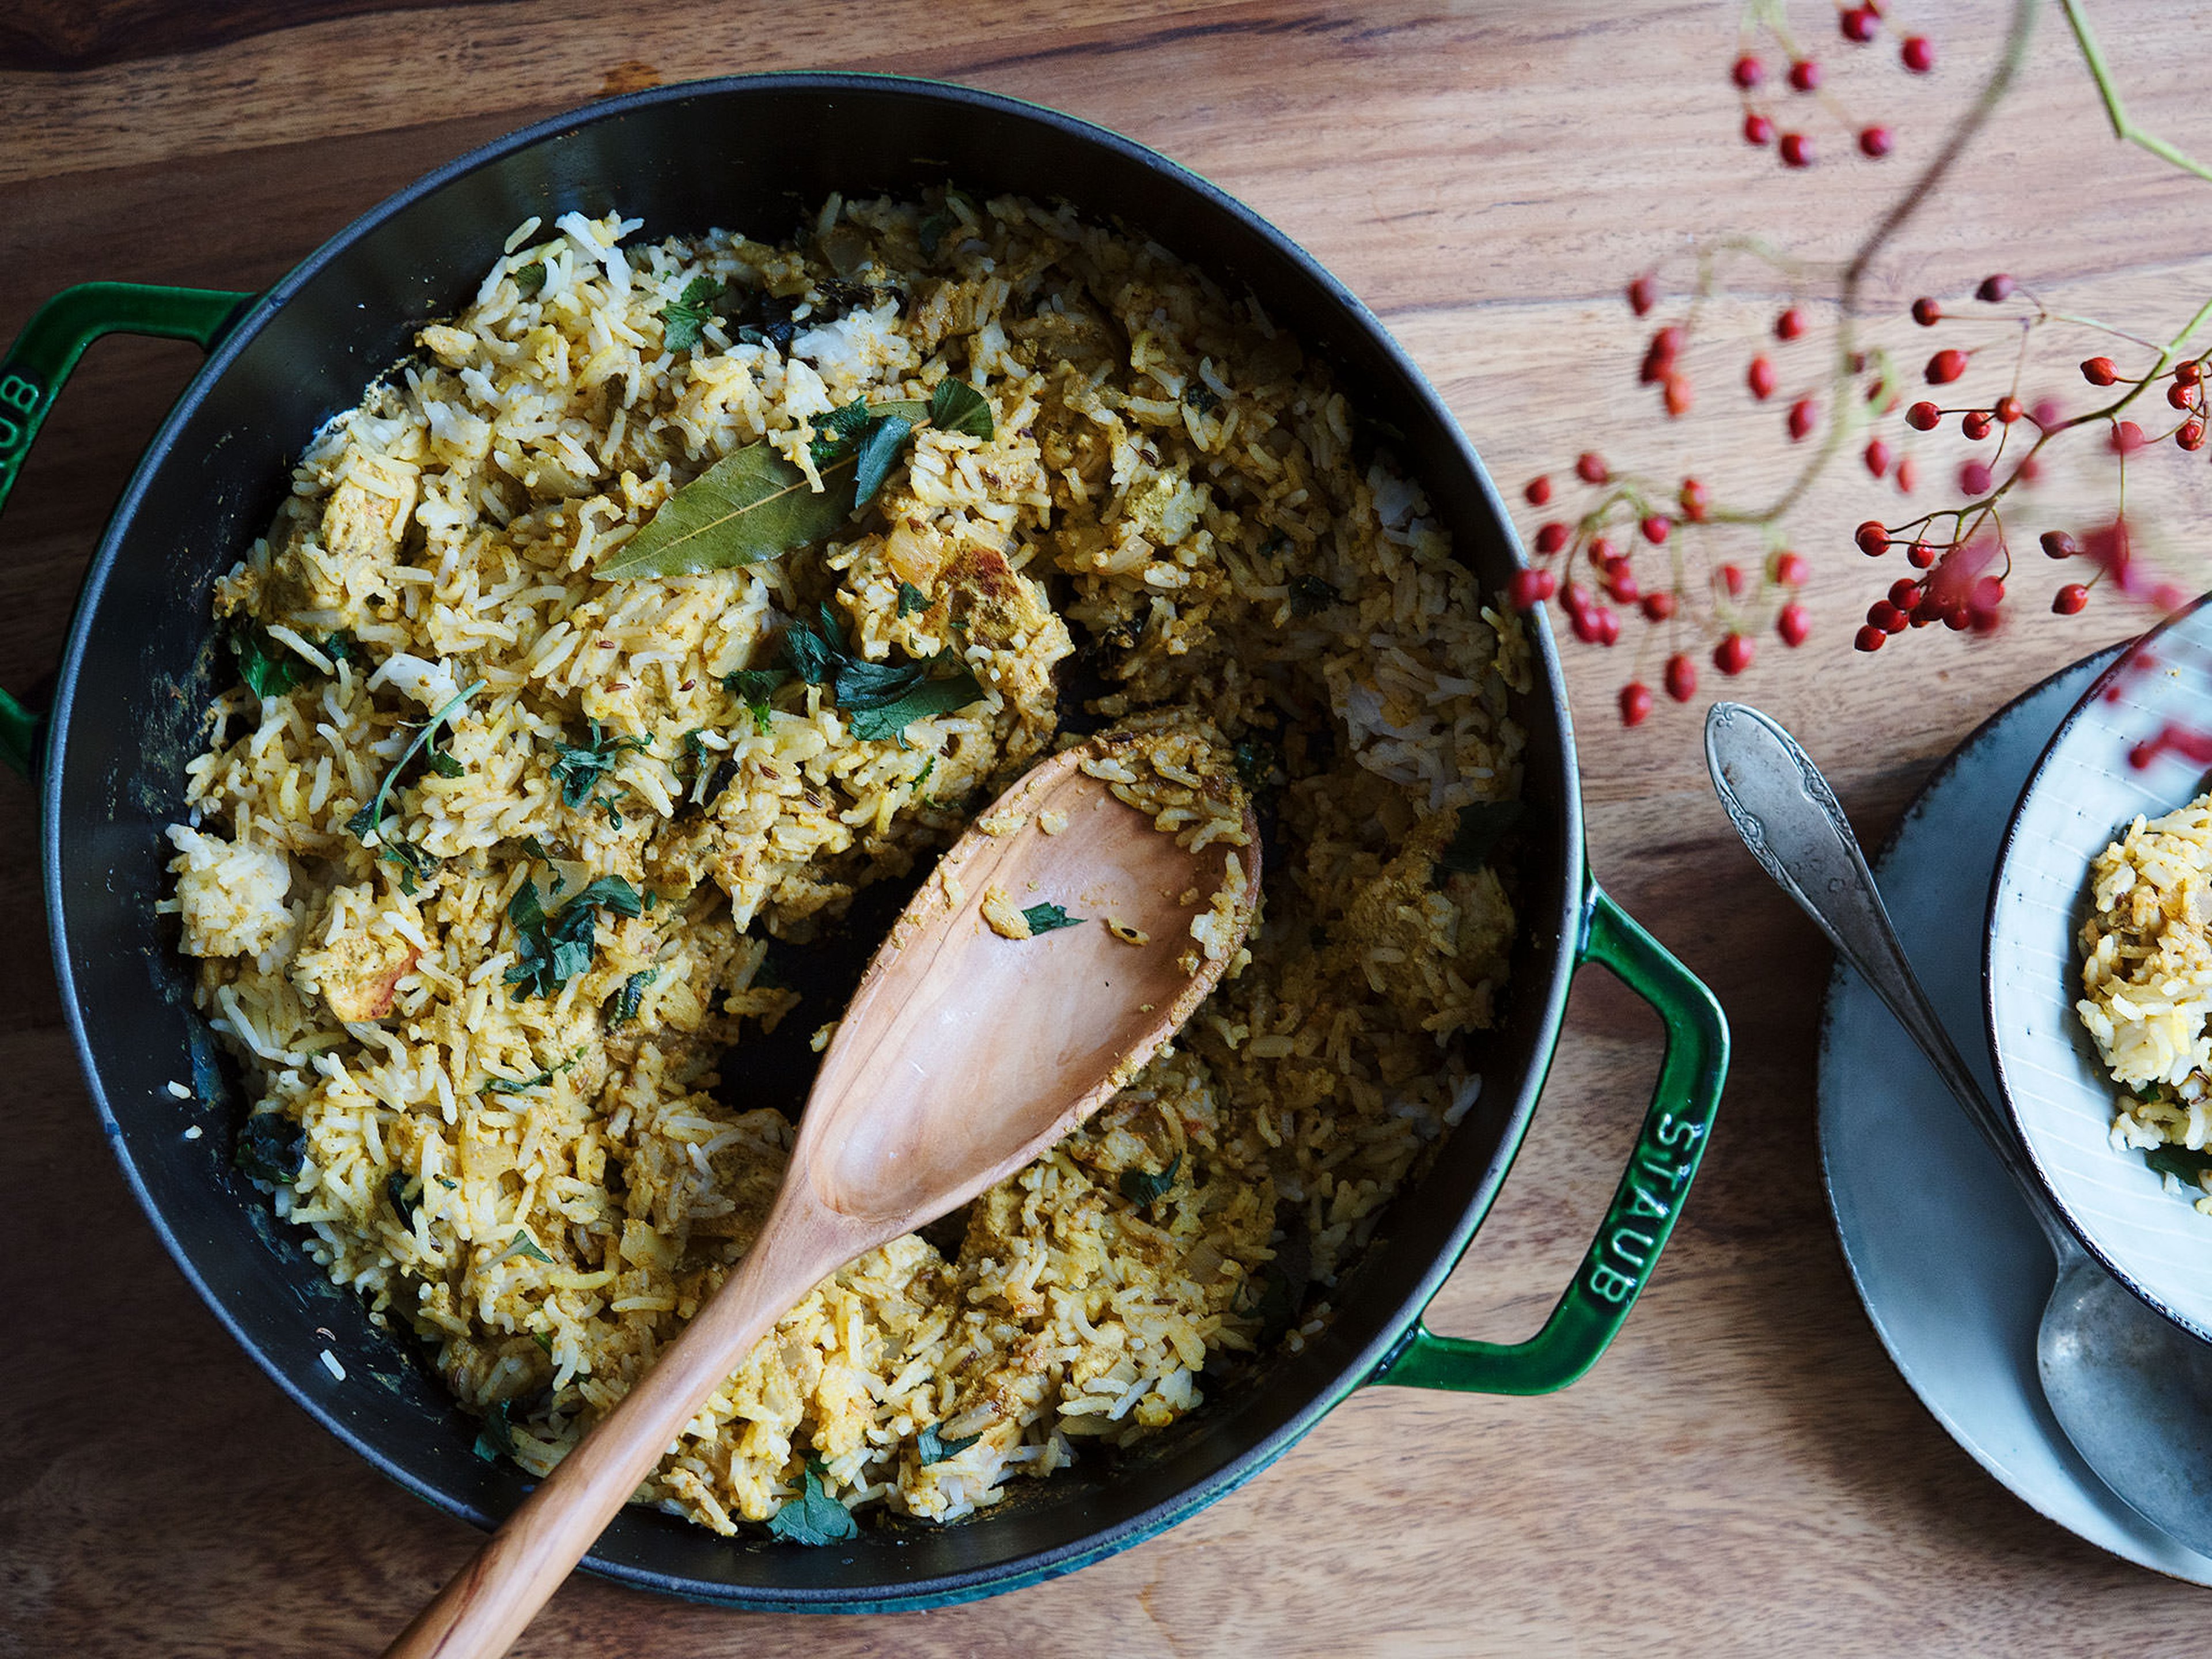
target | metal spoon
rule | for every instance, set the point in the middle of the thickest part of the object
(2132, 1390)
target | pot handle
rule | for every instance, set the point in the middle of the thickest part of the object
(1652, 1188)
(31, 377)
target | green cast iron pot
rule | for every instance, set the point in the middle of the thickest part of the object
(138, 669)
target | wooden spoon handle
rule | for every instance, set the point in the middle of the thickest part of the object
(486, 1605)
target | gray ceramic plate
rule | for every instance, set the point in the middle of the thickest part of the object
(2081, 793)
(1951, 1270)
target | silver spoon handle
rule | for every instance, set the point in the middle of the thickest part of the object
(1789, 817)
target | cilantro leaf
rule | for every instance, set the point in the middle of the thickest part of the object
(578, 767)
(838, 432)
(1140, 1188)
(1311, 595)
(879, 451)
(495, 1439)
(929, 697)
(813, 1516)
(522, 1244)
(933, 1448)
(395, 1188)
(683, 319)
(911, 599)
(956, 406)
(553, 949)
(1255, 763)
(632, 993)
(530, 279)
(369, 820)
(1481, 823)
(269, 667)
(272, 1147)
(1044, 918)
(753, 687)
(2179, 1162)
(814, 652)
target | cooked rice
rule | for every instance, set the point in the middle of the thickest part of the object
(2147, 980)
(1172, 488)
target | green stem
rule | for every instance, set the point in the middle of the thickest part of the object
(2123, 129)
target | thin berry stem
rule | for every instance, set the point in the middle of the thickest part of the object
(2123, 129)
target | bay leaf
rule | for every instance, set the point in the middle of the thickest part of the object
(749, 506)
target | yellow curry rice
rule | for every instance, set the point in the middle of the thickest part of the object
(531, 1144)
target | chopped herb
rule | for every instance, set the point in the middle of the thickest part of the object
(542, 1340)
(368, 820)
(268, 666)
(956, 406)
(554, 950)
(1311, 595)
(495, 1439)
(395, 1188)
(878, 699)
(879, 452)
(1201, 396)
(508, 1085)
(536, 848)
(1481, 823)
(415, 864)
(1044, 918)
(2179, 1162)
(445, 765)
(930, 697)
(578, 767)
(272, 1147)
(632, 993)
(449, 1183)
(922, 777)
(933, 1448)
(911, 599)
(1283, 1290)
(530, 279)
(682, 320)
(815, 652)
(1255, 763)
(522, 1244)
(341, 647)
(753, 504)
(813, 1516)
(933, 228)
(1140, 1188)
(768, 976)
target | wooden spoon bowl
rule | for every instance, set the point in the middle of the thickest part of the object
(964, 1054)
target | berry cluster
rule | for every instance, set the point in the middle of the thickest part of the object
(1766, 123)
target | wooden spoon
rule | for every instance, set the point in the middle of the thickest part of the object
(964, 1056)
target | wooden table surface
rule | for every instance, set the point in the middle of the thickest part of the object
(1744, 1473)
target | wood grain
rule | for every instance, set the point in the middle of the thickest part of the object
(1744, 1474)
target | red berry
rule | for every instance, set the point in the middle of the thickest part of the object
(2100, 371)
(1904, 594)
(1790, 569)
(1591, 468)
(1881, 613)
(1621, 585)
(1733, 654)
(1868, 638)
(1976, 426)
(1678, 395)
(1530, 589)
(1655, 529)
(1789, 325)
(2126, 438)
(1877, 457)
(2057, 544)
(2028, 470)
(1695, 499)
(2191, 435)
(1873, 539)
(1761, 378)
(1907, 472)
(1659, 357)
(1682, 677)
(1607, 624)
(1945, 366)
(1916, 54)
(1875, 142)
(1658, 607)
(1957, 621)
(1576, 598)
(1974, 478)
(1643, 295)
(2068, 601)
(2008, 408)
(1731, 578)
(1994, 289)
(1538, 491)
(1748, 72)
(2179, 396)
(1757, 131)
(1801, 417)
(1793, 625)
(1920, 556)
(1923, 417)
(1796, 150)
(1550, 537)
(2047, 412)
(1602, 553)
(1926, 311)
(1858, 24)
(2189, 373)
(1897, 621)
(1635, 703)
(1805, 74)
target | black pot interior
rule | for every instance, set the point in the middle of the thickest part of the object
(747, 155)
